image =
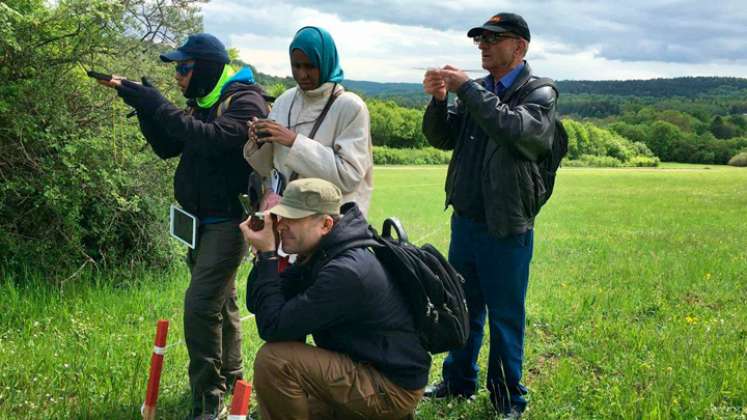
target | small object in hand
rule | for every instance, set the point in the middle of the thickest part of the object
(261, 134)
(99, 76)
(257, 222)
(246, 204)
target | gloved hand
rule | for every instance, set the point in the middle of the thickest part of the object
(145, 98)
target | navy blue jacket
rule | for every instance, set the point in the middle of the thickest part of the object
(348, 303)
(212, 171)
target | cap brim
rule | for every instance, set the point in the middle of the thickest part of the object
(175, 55)
(289, 212)
(480, 29)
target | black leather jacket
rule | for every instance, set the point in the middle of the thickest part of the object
(212, 170)
(493, 175)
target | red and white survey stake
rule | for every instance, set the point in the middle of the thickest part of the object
(242, 392)
(156, 364)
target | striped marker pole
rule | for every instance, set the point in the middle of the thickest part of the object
(242, 392)
(156, 364)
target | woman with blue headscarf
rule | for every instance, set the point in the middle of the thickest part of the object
(316, 129)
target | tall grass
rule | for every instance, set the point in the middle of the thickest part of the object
(635, 307)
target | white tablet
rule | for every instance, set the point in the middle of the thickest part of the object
(183, 226)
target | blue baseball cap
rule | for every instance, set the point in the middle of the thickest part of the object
(199, 47)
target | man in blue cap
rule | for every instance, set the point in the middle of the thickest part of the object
(208, 136)
(500, 128)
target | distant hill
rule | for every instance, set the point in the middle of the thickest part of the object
(600, 99)
(588, 98)
(659, 88)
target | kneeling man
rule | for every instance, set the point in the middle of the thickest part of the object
(368, 362)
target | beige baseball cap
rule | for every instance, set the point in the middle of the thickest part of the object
(308, 196)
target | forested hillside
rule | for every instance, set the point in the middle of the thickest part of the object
(688, 119)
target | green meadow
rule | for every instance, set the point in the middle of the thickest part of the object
(636, 307)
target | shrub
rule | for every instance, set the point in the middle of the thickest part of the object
(589, 145)
(739, 159)
(644, 161)
(78, 186)
(426, 156)
(594, 161)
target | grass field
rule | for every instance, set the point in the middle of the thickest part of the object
(636, 307)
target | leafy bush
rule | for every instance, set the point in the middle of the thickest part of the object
(78, 185)
(425, 156)
(592, 161)
(395, 126)
(644, 161)
(589, 145)
(739, 159)
(678, 137)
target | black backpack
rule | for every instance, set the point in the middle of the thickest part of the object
(429, 284)
(549, 164)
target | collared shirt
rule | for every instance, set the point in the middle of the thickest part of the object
(507, 80)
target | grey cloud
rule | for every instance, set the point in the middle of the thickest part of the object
(693, 31)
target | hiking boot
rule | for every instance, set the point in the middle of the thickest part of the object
(441, 390)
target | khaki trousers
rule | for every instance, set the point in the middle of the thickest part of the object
(297, 381)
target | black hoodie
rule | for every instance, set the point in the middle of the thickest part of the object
(348, 304)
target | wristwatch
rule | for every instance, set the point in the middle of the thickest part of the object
(267, 255)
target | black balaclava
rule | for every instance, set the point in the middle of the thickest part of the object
(205, 75)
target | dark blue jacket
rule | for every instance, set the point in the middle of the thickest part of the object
(347, 303)
(212, 171)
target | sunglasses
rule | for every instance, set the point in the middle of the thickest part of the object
(492, 38)
(184, 68)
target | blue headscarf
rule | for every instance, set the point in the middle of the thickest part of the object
(319, 46)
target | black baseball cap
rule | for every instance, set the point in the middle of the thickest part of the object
(503, 22)
(199, 47)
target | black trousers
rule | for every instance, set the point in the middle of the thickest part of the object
(212, 327)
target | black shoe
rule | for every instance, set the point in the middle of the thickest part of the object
(441, 390)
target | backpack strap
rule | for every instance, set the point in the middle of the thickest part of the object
(223, 106)
(319, 120)
(535, 84)
(328, 254)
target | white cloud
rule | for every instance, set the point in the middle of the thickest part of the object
(368, 50)
(397, 52)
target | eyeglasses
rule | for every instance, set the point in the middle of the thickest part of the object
(184, 68)
(492, 38)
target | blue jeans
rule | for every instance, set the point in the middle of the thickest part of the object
(496, 273)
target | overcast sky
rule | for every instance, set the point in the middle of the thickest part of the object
(390, 40)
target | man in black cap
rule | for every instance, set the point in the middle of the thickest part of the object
(499, 128)
(209, 136)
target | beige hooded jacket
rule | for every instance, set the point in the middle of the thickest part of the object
(340, 152)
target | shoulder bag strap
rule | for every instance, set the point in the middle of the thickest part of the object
(319, 120)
